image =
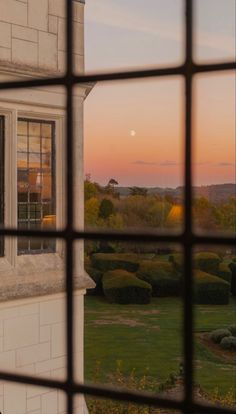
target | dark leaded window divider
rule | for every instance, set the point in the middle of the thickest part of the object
(188, 239)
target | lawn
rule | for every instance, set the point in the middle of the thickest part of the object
(149, 337)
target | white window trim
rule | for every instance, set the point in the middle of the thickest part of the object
(10, 259)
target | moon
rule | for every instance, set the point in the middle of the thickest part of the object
(132, 133)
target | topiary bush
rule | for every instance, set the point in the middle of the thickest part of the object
(218, 334)
(228, 343)
(178, 261)
(232, 267)
(224, 272)
(209, 289)
(123, 287)
(97, 276)
(113, 261)
(232, 329)
(162, 276)
(207, 262)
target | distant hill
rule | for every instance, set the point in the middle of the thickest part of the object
(215, 193)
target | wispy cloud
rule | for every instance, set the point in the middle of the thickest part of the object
(224, 164)
(166, 163)
(142, 162)
(109, 13)
(169, 163)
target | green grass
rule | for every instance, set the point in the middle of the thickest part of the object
(150, 337)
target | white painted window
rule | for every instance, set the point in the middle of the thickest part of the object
(36, 183)
(32, 180)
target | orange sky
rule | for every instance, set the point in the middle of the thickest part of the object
(134, 131)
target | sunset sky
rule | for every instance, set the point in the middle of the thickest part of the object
(134, 131)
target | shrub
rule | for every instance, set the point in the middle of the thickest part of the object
(217, 335)
(229, 343)
(112, 261)
(209, 289)
(232, 267)
(224, 272)
(162, 276)
(96, 275)
(123, 287)
(178, 261)
(106, 208)
(232, 329)
(207, 262)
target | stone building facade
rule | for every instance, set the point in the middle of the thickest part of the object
(32, 189)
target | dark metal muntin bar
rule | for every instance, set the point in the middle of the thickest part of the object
(188, 274)
(141, 397)
(187, 240)
(142, 237)
(70, 203)
(124, 75)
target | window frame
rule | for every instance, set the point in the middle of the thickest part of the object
(188, 239)
(54, 181)
(11, 114)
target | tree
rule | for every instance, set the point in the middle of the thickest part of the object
(112, 182)
(106, 208)
(90, 190)
(140, 191)
(205, 214)
(91, 211)
(110, 188)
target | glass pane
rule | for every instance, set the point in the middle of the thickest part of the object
(22, 128)
(40, 399)
(215, 30)
(46, 130)
(214, 154)
(122, 34)
(34, 144)
(35, 186)
(135, 313)
(22, 194)
(22, 211)
(34, 160)
(22, 144)
(22, 160)
(134, 155)
(215, 324)
(46, 160)
(35, 195)
(34, 129)
(46, 145)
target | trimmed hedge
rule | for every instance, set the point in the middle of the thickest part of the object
(178, 261)
(207, 262)
(123, 287)
(97, 276)
(112, 261)
(217, 335)
(162, 276)
(209, 289)
(229, 343)
(232, 329)
(232, 267)
(224, 272)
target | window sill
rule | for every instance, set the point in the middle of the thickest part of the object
(30, 285)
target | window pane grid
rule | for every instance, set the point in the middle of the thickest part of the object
(187, 240)
(35, 181)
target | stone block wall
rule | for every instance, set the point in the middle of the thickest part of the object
(32, 34)
(33, 342)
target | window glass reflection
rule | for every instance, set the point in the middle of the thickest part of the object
(35, 167)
